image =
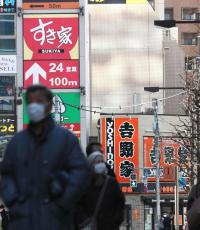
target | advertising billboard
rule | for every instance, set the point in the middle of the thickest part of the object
(69, 115)
(62, 74)
(7, 6)
(172, 154)
(119, 137)
(7, 85)
(8, 64)
(51, 36)
(7, 125)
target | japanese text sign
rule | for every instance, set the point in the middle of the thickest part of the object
(69, 116)
(53, 74)
(7, 6)
(7, 125)
(51, 36)
(50, 4)
(120, 145)
(171, 154)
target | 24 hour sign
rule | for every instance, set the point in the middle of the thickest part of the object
(54, 74)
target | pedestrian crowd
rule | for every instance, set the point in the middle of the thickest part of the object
(48, 184)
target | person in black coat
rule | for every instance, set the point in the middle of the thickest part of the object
(44, 171)
(4, 217)
(95, 147)
(111, 209)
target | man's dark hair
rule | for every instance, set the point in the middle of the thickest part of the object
(92, 147)
(34, 88)
(2, 206)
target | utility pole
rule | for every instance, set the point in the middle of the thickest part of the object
(177, 199)
(157, 155)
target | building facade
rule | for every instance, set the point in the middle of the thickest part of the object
(182, 10)
(125, 55)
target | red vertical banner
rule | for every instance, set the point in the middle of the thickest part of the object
(120, 145)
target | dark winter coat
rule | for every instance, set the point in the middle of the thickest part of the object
(193, 195)
(111, 212)
(36, 198)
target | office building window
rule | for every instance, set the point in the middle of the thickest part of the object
(189, 38)
(7, 25)
(7, 33)
(189, 13)
(169, 14)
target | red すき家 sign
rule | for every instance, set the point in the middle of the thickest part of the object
(51, 36)
(54, 74)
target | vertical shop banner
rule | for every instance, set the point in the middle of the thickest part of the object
(51, 36)
(120, 145)
(69, 115)
(171, 154)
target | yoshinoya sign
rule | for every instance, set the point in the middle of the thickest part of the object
(7, 6)
(7, 64)
(119, 137)
(62, 74)
(51, 36)
(50, 4)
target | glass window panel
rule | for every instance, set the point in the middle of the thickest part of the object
(169, 14)
(7, 25)
(7, 45)
(189, 13)
(6, 106)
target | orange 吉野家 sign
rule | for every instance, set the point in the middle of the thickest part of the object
(119, 137)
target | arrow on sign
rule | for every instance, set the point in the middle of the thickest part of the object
(37, 71)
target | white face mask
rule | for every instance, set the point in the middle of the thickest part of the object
(100, 168)
(36, 112)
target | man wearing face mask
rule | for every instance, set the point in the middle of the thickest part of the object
(44, 171)
(103, 200)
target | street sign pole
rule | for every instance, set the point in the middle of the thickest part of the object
(157, 155)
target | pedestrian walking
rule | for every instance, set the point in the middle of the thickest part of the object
(97, 147)
(161, 225)
(102, 206)
(193, 213)
(4, 218)
(167, 222)
(44, 171)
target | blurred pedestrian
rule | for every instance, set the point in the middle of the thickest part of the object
(103, 204)
(161, 225)
(44, 171)
(166, 222)
(193, 213)
(97, 147)
(4, 218)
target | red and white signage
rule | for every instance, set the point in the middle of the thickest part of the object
(51, 36)
(54, 74)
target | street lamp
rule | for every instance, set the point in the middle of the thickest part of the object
(157, 89)
(156, 151)
(173, 23)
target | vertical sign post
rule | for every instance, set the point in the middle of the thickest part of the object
(54, 54)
